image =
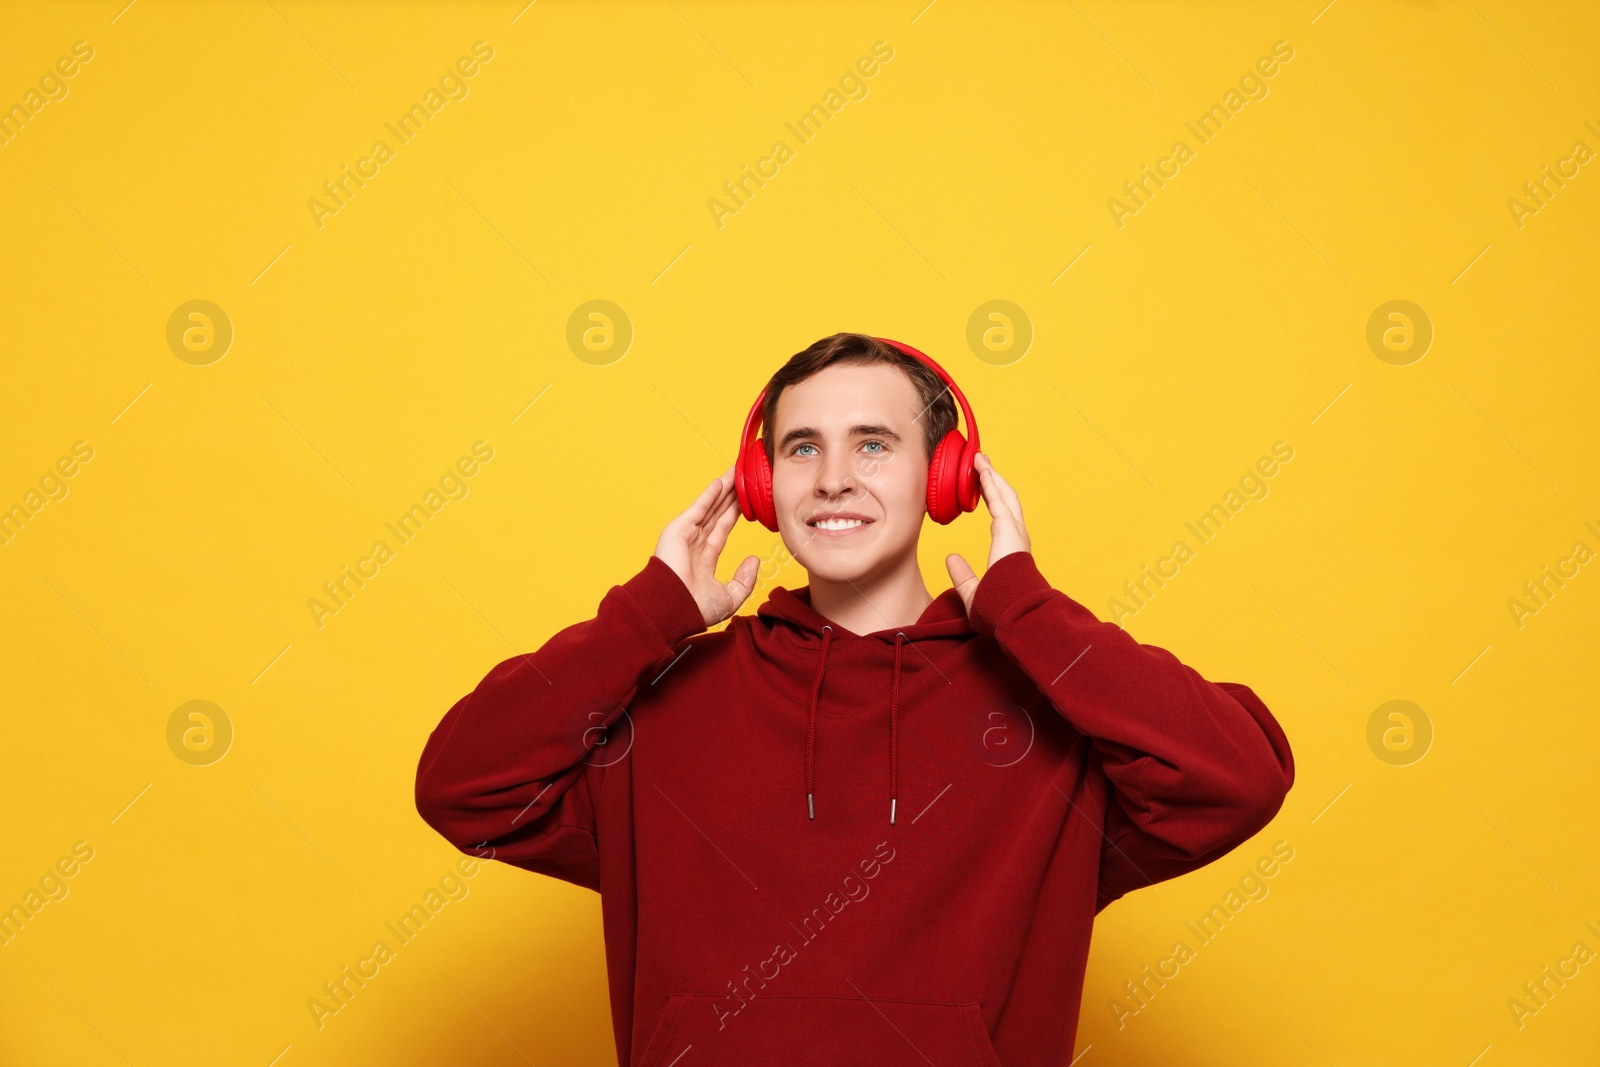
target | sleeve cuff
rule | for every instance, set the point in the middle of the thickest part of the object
(1010, 581)
(665, 600)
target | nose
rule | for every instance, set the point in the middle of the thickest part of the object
(836, 475)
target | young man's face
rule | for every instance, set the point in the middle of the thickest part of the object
(849, 440)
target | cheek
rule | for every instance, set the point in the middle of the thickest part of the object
(914, 482)
(788, 498)
(784, 494)
(903, 493)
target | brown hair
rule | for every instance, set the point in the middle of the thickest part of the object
(938, 405)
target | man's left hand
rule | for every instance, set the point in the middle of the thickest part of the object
(1007, 534)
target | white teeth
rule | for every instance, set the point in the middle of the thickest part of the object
(838, 524)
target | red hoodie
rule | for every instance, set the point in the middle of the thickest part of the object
(818, 847)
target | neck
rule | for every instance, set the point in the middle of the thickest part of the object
(890, 601)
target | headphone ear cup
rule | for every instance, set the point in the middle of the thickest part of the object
(944, 502)
(969, 487)
(766, 510)
(752, 478)
(748, 482)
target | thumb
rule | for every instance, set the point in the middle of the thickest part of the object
(962, 575)
(743, 581)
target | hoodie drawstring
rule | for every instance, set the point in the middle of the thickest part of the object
(811, 720)
(894, 726)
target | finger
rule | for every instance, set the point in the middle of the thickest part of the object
(719, 532)
(960, 570)
(966, 582)
(1013, 501)
(985, 480)
(696, 512)
(724, 496)
(994, 496)
(743, 581)
(1006, 495)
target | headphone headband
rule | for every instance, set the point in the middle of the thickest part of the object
(952, 471)
(752, 420)
(966, 409)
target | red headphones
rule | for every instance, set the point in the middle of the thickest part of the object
(952, 472)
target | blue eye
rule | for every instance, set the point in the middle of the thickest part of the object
(881, 449)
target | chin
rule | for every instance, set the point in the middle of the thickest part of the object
(837, 567)
(839, 564)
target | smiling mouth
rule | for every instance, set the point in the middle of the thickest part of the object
(839, 527)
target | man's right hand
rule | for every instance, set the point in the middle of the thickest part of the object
(692, 543)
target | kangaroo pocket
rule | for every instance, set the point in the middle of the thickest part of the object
(701, 1030)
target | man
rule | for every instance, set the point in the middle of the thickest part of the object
(982, 771)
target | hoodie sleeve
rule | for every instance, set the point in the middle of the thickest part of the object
(507, 773)
(1195, 767)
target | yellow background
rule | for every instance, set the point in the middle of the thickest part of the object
(370, 353)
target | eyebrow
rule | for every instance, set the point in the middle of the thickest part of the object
(859, 430)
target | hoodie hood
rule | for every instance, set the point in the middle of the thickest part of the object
(801, 644)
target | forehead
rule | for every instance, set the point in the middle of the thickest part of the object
(844, 395)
